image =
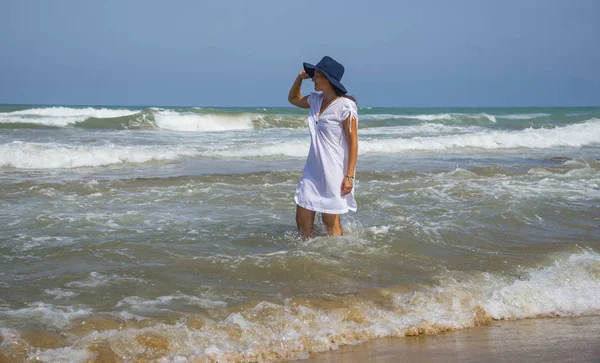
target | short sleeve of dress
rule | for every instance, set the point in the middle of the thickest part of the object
(312, 98)
(350, 109)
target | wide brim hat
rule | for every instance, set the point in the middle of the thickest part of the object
(331, 69)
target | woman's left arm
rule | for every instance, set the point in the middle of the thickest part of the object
(351, 130)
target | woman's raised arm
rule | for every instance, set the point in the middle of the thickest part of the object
(294, 96)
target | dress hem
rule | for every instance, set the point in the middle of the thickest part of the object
(320, 210)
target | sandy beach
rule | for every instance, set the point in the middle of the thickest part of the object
(529, 340)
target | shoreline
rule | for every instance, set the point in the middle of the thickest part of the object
(528, 340)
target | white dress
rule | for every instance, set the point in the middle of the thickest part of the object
(320, 188)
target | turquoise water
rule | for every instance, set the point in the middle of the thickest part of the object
(168, 233)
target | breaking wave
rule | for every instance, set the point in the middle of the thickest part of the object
(268, 331)
(576, 135)
(186, 120)
(27, 155)
(524, 116)
(59, 116)
(458, 118)
(32, 155)
(197, 119)
(190, 121)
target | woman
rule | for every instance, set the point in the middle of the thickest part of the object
(327, 182)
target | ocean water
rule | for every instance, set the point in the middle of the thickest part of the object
(168, 234)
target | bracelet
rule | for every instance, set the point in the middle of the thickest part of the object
(349, 177)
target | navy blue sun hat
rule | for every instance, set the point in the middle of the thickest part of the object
(331, 69)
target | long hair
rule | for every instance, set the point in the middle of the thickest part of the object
(339, 93)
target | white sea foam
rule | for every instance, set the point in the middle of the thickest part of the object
(522, 116)
(96, 279)
(67, 111)
(570, 287)
(318, 250)
(268, 331)
(538, 183)
(55, 315)
(297, 149)
(455, 117)
(59, 293)
(10, 335)
(379, 229)
(63, 355)
(28, 155)
(576, 135)
(430, 129)
(28, 242)
(137, 303)
(61, 116)
(178, 121)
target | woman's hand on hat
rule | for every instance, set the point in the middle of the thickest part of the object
(303, 74)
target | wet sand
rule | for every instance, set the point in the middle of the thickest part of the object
(530, 340)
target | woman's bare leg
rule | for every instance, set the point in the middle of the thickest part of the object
(332, 222)
(305, 219)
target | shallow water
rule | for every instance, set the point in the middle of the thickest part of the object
(163, 233)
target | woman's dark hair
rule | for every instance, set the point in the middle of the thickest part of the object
(340, 94)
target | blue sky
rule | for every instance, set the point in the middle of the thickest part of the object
(247, 53)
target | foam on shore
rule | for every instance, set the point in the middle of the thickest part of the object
(296, 328)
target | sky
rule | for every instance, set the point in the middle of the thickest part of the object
(226, 53)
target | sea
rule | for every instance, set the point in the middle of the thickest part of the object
(167, 234)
